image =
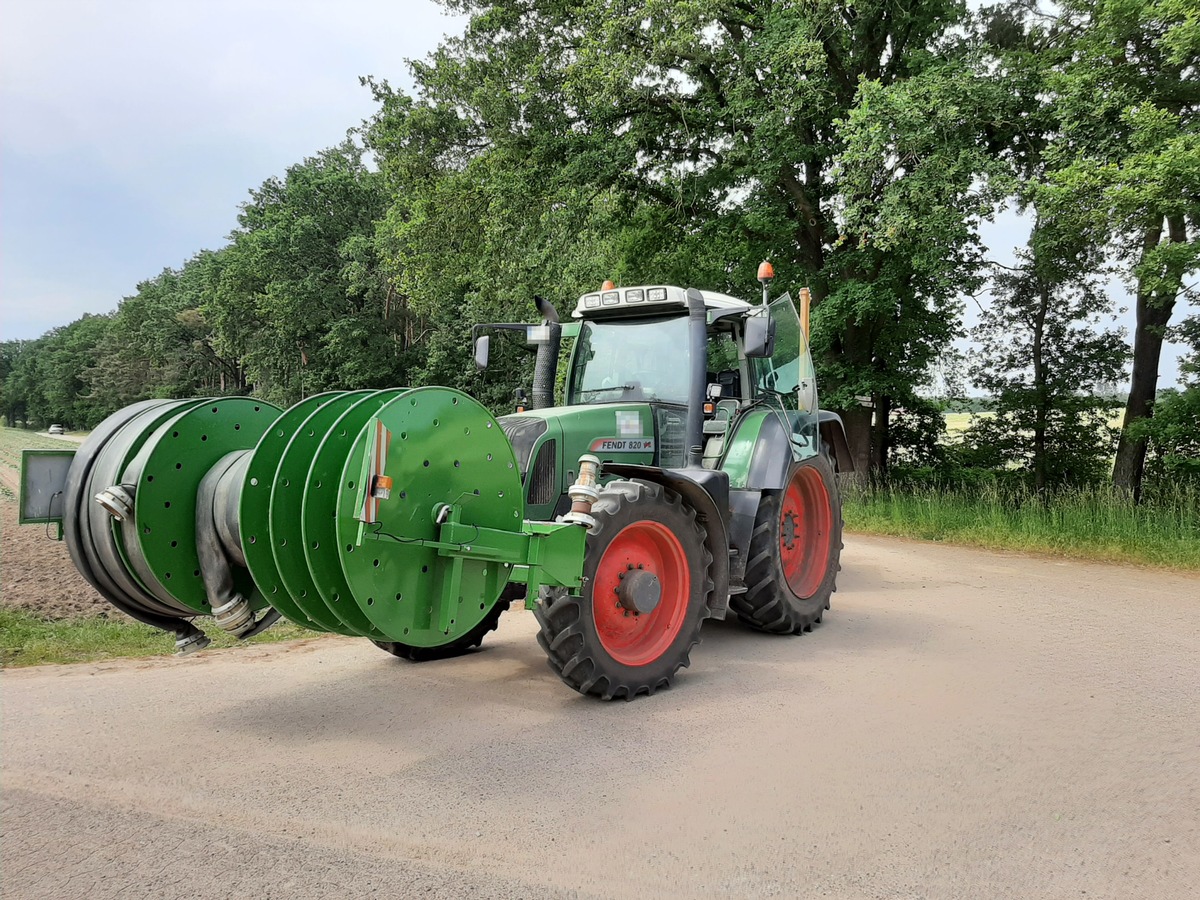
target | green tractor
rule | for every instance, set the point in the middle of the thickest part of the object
(703, 409)
(687, 472)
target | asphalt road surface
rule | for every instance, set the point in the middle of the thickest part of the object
(964, 724)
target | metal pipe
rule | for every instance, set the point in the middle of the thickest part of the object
(698, 339)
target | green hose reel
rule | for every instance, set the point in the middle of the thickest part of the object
(396, 515)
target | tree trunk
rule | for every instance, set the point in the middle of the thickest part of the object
(881, 439)
(857, 420)
(1154, 310)
(1040, 392)
(1147, 351)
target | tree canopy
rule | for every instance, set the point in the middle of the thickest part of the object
(857, 145)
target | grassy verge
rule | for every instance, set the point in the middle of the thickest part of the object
(1091, 523)
(29, 640)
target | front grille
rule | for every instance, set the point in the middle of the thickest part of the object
(543, 479)
(522, 432)
(672, 438)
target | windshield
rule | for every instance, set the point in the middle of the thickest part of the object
(631, 360)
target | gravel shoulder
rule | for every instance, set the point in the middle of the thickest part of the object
(963, 724)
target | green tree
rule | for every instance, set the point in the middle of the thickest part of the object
(1043, 355)
(1174, 432)
(12, 400)
(160, 344)
(47, 376)
(712, 133)
(300, 298)
(1127, 99)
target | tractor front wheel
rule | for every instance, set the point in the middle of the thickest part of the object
(795, 552)
(646, 586)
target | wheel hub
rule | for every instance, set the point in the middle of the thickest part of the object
(789, 529)
(638, 591)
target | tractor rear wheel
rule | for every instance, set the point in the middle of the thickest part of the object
(795, 552)
(467, 642)
(645, 591)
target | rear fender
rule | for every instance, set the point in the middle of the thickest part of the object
(833, 436)
(707, 492)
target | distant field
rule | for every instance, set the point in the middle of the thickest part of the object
(957, 423)
(12, 442)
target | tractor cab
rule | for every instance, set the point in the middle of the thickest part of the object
(661, 376)
(633, 345)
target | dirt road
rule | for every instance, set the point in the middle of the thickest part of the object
(964, 724)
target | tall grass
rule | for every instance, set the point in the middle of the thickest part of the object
(1087, 522)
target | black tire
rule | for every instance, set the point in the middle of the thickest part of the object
(770, 603)
(464, 644)
(570, 634)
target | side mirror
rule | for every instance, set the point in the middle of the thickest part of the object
(483, 345)
(758, 337)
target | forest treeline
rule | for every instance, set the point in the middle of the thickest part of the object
(857, 145)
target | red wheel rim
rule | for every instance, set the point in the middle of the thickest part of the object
(805, 528)
(638, 639)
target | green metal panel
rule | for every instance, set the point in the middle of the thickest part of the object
(254, 512)
(43, 477)
(739, 448)
(446, 448)
(593, 429)
(318, 529)
(160, 538)
(287, 497)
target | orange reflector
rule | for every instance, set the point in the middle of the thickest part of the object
(381, 487)
(709, 408)
(608, 285)
(766, 271)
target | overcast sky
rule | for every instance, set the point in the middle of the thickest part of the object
(132, 129)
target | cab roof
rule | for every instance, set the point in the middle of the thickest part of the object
(649, 299)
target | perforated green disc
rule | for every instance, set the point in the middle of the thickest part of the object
(160, 539)
(318, 529)
(254, 509)
(287, 497)
(446, 448)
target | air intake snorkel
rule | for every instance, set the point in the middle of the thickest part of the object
(545, 366)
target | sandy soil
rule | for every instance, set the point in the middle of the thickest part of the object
(36, 573)
(964, 724)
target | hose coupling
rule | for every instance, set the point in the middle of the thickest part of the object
(236, 616)
(190, 643)
(583, 493)
(117, 501)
